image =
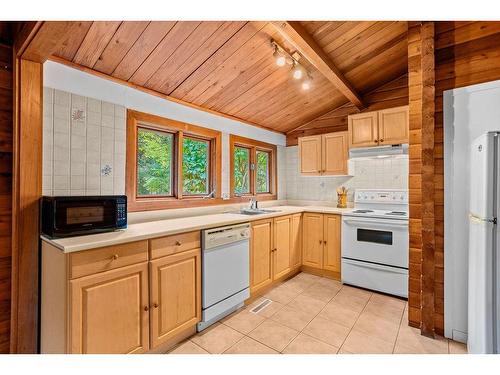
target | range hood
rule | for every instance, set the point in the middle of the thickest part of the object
(378, 152)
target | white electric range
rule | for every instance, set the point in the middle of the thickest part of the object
(375, 242)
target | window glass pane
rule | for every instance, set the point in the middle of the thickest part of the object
(241, 170)
(262, 172)
(154, 162)
(195, 170)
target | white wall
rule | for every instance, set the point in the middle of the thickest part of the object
(387, 173)
(77, 153)
(468, 113)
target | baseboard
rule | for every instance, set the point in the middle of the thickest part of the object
(321, 272)
(173, 341)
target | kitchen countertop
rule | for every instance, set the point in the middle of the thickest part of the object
(153, 229)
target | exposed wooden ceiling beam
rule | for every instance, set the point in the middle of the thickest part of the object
(298, 36)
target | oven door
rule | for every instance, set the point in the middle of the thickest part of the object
(381, 241)
(84, 215)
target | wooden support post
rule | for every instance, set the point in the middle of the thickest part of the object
(421, 182)
(27, 189)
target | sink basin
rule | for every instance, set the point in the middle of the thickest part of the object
(248, 211)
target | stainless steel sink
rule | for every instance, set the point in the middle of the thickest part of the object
(258, 211)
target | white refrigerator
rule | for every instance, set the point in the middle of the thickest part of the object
(484, 287)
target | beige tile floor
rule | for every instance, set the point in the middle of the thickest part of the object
(314, 315)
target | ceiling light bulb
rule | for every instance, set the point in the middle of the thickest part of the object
(281, 61)
(297, 72)
(306, 85)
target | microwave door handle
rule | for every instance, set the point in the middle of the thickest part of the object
(378, 223)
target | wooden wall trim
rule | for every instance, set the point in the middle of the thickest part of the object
(27, 190)
(421, 84)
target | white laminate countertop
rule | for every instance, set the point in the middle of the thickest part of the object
(143, 231)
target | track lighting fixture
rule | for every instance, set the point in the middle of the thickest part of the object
(283, 58)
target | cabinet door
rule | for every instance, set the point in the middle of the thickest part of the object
(261, 249)
(312, 251)
(282, 246)
(331, 235)
(393, 126)
(109, 312)
(175, 294)
(335, 152)
(310, 155)
(296, 241)
(363, 129)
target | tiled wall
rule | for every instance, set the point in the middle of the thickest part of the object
(387, 173)
(86, 156)
(83, 145)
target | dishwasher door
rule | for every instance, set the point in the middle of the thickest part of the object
(226, 271)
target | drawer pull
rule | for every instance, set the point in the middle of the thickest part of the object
(115, 257)
(155, 305)
(381, 141)
(178, 243)
(146, 308)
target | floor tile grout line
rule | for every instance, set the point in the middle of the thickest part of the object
(350, 330)
(399, 329)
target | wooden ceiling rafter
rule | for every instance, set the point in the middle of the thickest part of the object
(298, 36)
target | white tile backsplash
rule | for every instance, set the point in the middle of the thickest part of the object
(75, 151)
(390, 173)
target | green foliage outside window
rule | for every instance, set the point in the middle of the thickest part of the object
(154, 163)
(195, 155)
(241, 170)
(262, 172)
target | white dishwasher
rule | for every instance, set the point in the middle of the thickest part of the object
(225, 271)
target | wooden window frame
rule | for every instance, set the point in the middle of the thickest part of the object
(136, 120)
(254, 146)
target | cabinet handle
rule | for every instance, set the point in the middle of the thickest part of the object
(146, 308)
(115, 257)
(381, 140)
(375, 141)
(324, 242)
(178, 243)
(155, 305)
(320, 242)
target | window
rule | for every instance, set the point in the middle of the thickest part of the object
(170, 164)
(253, 166)
(154, 163)
(241, 170)
(195, 166)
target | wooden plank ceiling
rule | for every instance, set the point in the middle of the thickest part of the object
(228, 67)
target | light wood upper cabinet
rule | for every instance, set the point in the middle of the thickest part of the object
(310, 155)
(324, 154)
(282, 246)
(363, 129)
(296, 241)
(335, 152)
(393, 125)
(385, 127)
(312, 251)
(175, 294)
(110, 312)
(331, 235)
(261, 243)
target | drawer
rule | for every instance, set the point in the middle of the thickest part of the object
(174, 244)
(107, 258)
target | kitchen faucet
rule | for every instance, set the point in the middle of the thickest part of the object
(253, 203)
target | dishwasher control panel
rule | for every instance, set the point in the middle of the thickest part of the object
(225, 235)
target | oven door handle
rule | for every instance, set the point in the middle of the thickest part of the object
(361, 222)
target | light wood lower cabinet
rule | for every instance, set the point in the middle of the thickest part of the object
(175, 294)
(109, 312)
(331, 242)
(114, 301)
(282, 246)
(312, 252)
(261, 246)
(322, 241)
(296, 242)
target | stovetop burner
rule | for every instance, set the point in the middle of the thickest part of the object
(396, 213)
(362, 211)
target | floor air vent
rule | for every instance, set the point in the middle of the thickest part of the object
(261, 306)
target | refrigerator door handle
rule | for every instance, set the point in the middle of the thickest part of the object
(479, 219)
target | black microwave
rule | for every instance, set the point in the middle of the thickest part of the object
(76, 216)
